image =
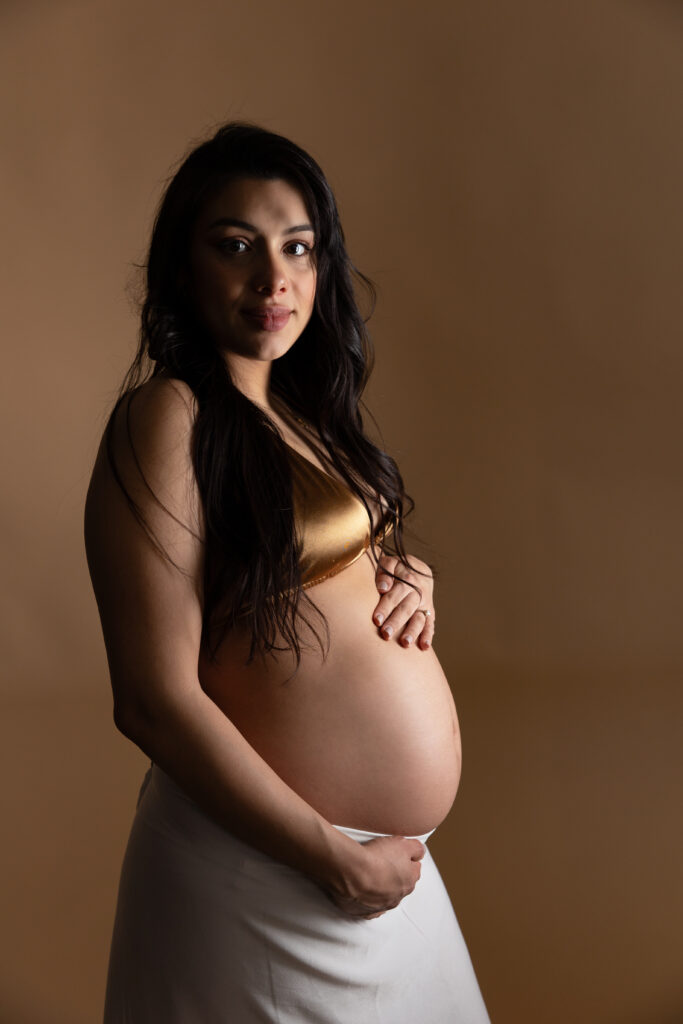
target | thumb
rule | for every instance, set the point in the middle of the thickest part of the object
(419, 849)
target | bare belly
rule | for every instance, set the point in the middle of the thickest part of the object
(369, 736)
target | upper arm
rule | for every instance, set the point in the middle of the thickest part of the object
(147, 569)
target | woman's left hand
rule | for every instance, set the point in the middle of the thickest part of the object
(403, 613)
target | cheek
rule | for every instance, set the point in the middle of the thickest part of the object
(213, 287)
(312, 285)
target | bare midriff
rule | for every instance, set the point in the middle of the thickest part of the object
(368, 736)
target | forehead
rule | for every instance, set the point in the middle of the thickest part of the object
(267, 204)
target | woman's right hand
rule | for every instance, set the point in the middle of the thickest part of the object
(387, 869)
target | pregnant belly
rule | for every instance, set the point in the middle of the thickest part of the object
(369, 736)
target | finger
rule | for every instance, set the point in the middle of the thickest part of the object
(383, 579)
(353, 908)
(425, 638)
(362, 910)
(396, 622)
(397, 574)
(393, 601)
(413, 628)
(386, 605)
(418, 848)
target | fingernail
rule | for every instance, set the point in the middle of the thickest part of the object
(379, 618)
(383, 585)
(407, 640)
(388, 631)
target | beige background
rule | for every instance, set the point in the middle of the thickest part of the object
(509, 173)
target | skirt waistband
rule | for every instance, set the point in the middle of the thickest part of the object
(364, 837)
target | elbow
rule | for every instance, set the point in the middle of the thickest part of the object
(134, 718)
(128, 721)
(142, 720)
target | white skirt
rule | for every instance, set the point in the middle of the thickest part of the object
(209, 930)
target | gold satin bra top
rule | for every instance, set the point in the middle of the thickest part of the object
(331, 522)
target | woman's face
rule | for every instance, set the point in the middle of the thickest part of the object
(252, 273)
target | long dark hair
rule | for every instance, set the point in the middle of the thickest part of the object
(251, 563)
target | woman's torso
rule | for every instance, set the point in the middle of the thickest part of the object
(368, 735)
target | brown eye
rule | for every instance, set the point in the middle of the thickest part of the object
(302, 248)
(234, 246)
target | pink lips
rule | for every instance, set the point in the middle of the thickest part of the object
(268, 318)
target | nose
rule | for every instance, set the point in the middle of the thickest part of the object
(270, 277)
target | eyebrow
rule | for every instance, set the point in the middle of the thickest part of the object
(233, 222)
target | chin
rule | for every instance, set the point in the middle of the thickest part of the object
(263, 350)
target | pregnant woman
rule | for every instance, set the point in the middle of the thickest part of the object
(268, 637)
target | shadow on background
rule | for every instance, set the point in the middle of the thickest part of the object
(70, 784)
(669, 1013)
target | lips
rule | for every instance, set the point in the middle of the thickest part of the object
(268, 318)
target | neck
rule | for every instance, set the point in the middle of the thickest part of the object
(252, 377)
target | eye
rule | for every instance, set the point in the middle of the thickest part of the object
(298, 248)
(233, 246)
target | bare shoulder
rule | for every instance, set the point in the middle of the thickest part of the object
(146, 457)
(161, 412)
(166, 396)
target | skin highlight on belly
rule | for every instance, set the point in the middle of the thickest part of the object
(368, 736)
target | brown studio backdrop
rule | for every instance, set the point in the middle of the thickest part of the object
(509, 175)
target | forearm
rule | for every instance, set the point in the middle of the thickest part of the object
(199, 747)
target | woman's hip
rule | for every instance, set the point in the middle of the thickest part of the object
(207, 921)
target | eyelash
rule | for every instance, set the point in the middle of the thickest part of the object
(229, 245)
